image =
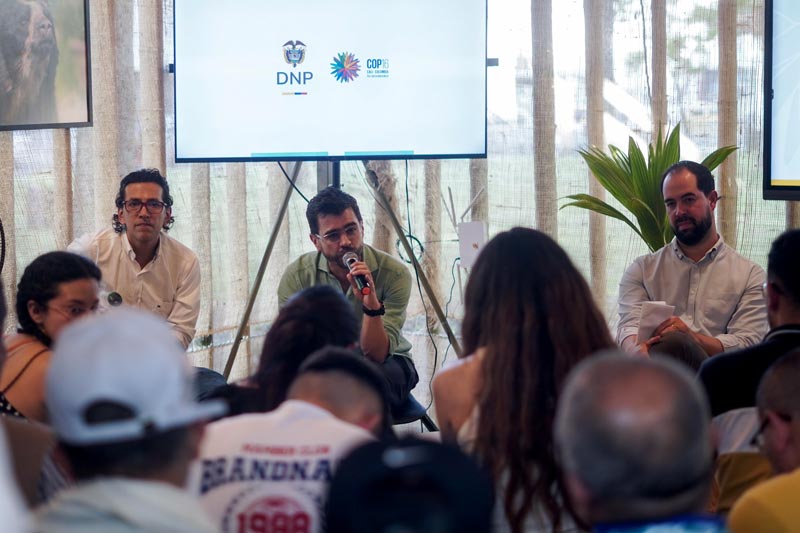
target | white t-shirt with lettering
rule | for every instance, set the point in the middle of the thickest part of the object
(270, 471)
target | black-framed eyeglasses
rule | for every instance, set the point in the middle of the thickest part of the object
(152, 206)
(335, 236)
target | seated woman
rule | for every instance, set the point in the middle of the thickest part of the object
(313, 318)
(55, 289)
(529, 317)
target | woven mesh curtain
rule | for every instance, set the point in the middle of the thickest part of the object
(694, 62)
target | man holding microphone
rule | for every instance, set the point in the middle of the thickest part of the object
(377, 284)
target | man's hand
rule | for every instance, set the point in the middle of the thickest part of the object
(711, 345)
(370, 301)
(643, 350)
(673, 324)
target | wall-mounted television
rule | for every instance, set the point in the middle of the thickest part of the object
(781, 100)
(269, 80)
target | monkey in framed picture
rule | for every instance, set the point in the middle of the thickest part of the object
(28, 62)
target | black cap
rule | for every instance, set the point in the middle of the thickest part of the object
(411, 485)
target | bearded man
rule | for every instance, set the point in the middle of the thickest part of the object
(717, 293)
(377, 284)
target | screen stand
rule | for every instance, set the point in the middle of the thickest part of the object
(329, 174)
(332, 177)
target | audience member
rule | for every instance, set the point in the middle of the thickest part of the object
(410, 485)
(527, 322)
(731, 380)
(772, 505)
(274, 468)
(716, 292)
(312, 319)
(336, 229)
(55, 289)
(635, 446)
(12, 509)
(142, 265)
(119, 391)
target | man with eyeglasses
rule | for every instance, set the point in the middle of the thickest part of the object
(336, 229)
(143, 266)
(731, 380)
(771, 505)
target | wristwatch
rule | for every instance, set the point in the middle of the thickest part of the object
(374, 312)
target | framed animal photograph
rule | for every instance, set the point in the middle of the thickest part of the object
(45, 79)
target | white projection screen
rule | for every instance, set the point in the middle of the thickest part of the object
(782, 100)
(266, 80)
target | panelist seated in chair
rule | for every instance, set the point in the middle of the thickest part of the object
(142, 265)
(717, 293)
(336, 229)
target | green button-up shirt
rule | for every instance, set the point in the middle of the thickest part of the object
(392, 286)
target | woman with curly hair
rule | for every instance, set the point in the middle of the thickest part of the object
(55, 289)
(529, 319)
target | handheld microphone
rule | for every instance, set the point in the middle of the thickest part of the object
(349, 259)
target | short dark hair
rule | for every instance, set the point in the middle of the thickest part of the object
(783, 263)
(137, 458)
(40, 282)
(777, 390)
(145, 175)
(313, 318)
(329, 201)
(705, 180)
(338, 359)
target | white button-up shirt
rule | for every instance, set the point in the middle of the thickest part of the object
(720, 295)
(169, 285)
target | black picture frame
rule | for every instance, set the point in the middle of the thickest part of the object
(772, 191)
(35, 93)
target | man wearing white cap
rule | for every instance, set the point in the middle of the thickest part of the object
(120, 401)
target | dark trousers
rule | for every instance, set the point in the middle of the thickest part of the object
(401, 376)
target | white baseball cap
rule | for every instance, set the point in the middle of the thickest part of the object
(127, 357)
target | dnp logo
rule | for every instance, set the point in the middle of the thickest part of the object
(345, 67)
(294, 53)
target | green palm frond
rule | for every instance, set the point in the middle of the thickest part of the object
(635, 182)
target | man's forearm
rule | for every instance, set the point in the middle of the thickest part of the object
(628, 344)
(711, 345)
(374, 341)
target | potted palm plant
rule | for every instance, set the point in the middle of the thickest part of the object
(636, 184)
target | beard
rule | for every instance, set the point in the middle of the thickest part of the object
(337, 257)
(696, 232)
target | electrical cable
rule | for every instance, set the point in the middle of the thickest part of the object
(410, 236)
(447, 304)
(2, 247)
(289, 179)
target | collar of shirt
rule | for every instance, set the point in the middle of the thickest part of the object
(711, 254)
(126, 245)
(786, 329)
